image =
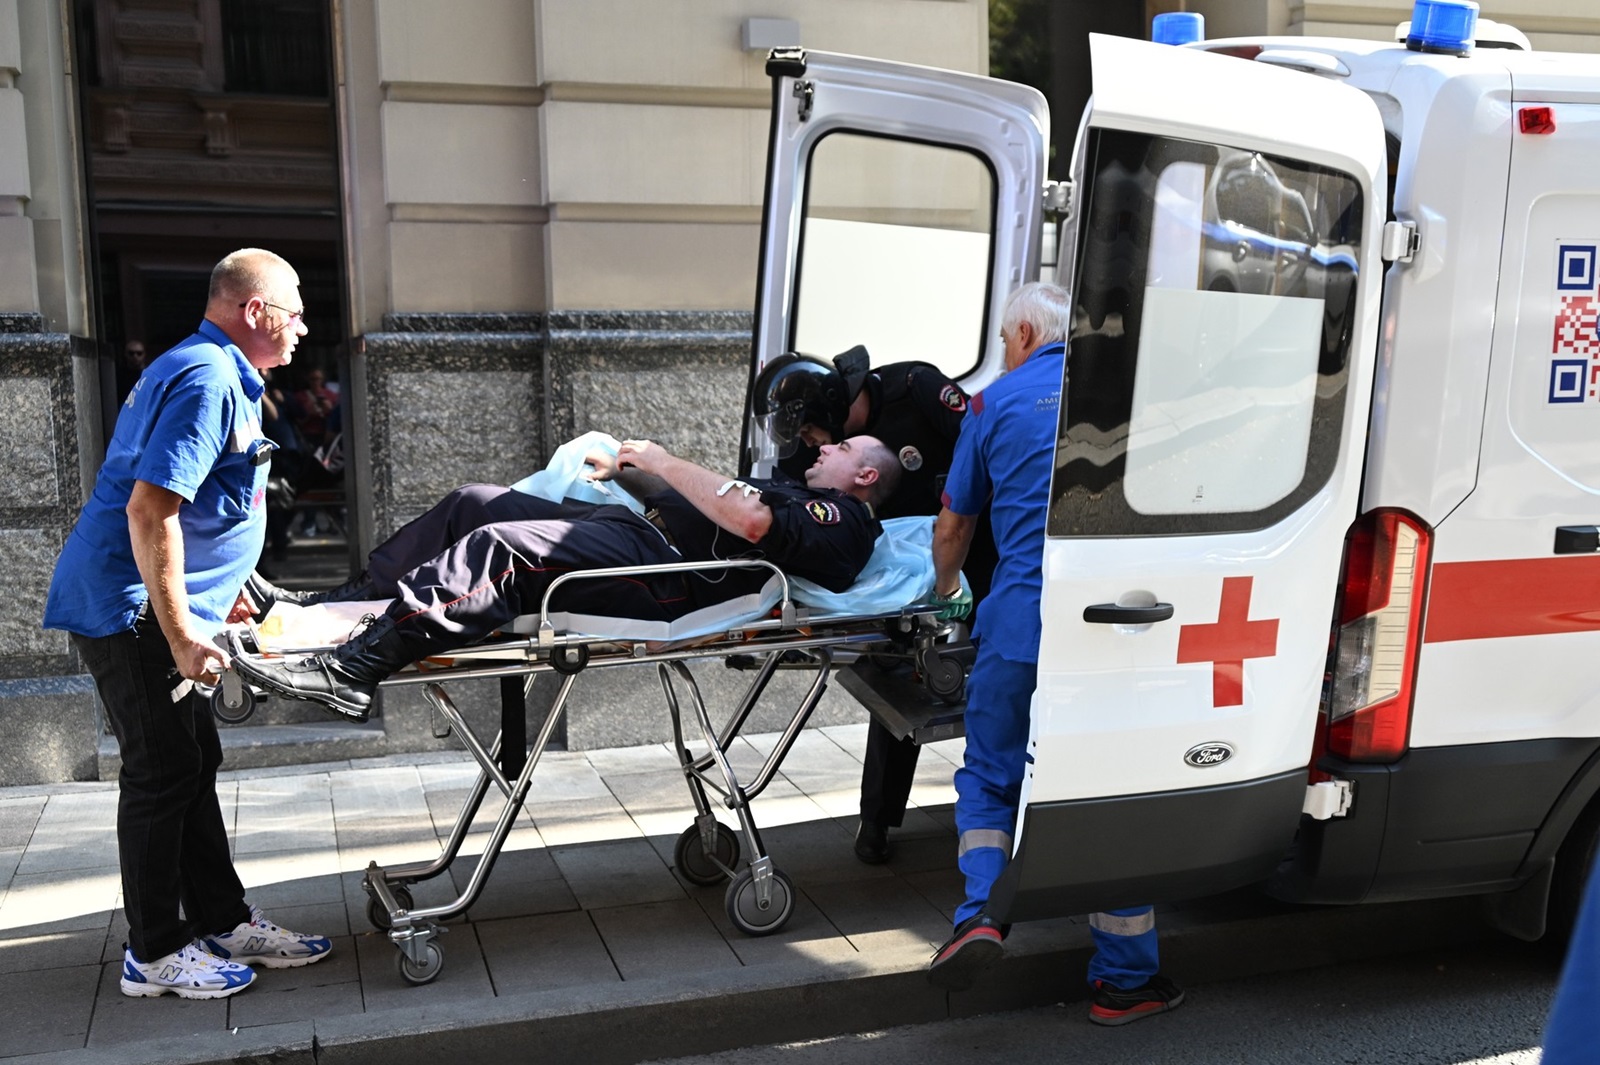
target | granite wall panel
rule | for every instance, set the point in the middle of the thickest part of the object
(29, 475)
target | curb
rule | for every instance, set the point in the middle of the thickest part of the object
(1221, 939)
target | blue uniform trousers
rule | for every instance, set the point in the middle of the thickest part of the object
(988, 789)
(1572, 1034)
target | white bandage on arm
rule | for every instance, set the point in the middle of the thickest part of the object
(749, 490)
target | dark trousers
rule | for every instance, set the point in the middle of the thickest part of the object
(171, 841)
(485, 555)
(887, 771)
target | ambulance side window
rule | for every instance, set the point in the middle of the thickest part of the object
(1206, 370)
(894, 251)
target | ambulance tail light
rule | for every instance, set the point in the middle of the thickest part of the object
(1368, 702)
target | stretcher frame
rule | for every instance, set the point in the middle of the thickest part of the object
(759, 897)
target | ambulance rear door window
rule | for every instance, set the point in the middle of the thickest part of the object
(1214, 309)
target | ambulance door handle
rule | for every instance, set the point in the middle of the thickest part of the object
(1577, 539)
(1113, 614)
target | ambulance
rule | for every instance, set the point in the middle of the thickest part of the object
(1322, 590)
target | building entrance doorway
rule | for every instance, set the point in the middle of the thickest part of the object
(209, 126)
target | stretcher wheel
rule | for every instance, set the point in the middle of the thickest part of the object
(569, 660)
(378, 917)
(232, 712)
(425, 973)
(944, 677)
(698, 867)
(745, 911)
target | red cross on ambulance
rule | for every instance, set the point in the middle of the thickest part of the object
(1229, 641)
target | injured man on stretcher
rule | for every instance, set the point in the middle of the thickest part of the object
(485, 555)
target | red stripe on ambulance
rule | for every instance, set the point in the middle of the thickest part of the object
(1513, 597)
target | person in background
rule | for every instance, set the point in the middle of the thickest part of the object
(1004, 455)
(154, 567)
(314, 403)
(129, 367)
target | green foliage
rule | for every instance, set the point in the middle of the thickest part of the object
(1019, 41)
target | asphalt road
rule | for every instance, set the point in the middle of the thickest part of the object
(1467, 1006)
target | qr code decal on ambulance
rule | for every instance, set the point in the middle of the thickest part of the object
(1575, 345)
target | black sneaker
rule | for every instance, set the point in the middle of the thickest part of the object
(1113, 1005)
(967, 954)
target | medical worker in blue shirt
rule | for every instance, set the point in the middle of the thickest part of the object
(154, 567)
(1004, 457)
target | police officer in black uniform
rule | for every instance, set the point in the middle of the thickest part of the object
(916, 411)
(486, 554)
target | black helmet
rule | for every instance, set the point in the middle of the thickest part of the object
(795, 390)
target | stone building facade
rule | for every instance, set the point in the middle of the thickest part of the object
(517, 220)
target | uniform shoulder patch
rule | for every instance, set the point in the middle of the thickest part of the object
(823, 512)
(953, 397)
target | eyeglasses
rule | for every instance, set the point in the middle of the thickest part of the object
(294, 316)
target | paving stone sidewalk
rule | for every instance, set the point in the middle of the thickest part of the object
(586, 943)
(584, 894)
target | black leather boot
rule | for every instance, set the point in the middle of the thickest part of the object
(343, 679)
(354, 590)
(266, 594)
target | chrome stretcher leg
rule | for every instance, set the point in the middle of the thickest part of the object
(398, 879)
(413, 930)
(760, 899)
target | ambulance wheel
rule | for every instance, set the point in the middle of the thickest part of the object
(232, 713)
(745, 910)
(1573, 861)
(425, 972)
(698, 867)
(378, 917)
(569, 660)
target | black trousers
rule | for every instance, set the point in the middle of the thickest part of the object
(171, 841)
(887, 771)
(485, 555)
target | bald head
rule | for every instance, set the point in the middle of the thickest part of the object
(248, 272)
(255, 299)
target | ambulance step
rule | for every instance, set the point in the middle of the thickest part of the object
(899, 701)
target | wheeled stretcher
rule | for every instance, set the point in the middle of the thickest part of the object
(788, 635)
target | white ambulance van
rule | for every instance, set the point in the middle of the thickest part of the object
(1322, 596)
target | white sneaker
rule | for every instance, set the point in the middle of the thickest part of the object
(260, 942)
(188, 972)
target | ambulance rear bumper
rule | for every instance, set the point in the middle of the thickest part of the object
(1099, 854)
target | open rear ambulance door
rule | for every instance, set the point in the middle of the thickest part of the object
(1228, 217)
(902, 204)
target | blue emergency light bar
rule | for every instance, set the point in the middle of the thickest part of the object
(1443, 26)
(1178, 27)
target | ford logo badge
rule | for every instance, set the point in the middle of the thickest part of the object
(1206, 755)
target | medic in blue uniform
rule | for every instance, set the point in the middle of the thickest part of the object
(1003, 458)
(149, 574)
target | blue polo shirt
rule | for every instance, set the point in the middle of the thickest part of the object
(192, 425)
(1004, 454)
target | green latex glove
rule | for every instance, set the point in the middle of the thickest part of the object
(956, 606)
